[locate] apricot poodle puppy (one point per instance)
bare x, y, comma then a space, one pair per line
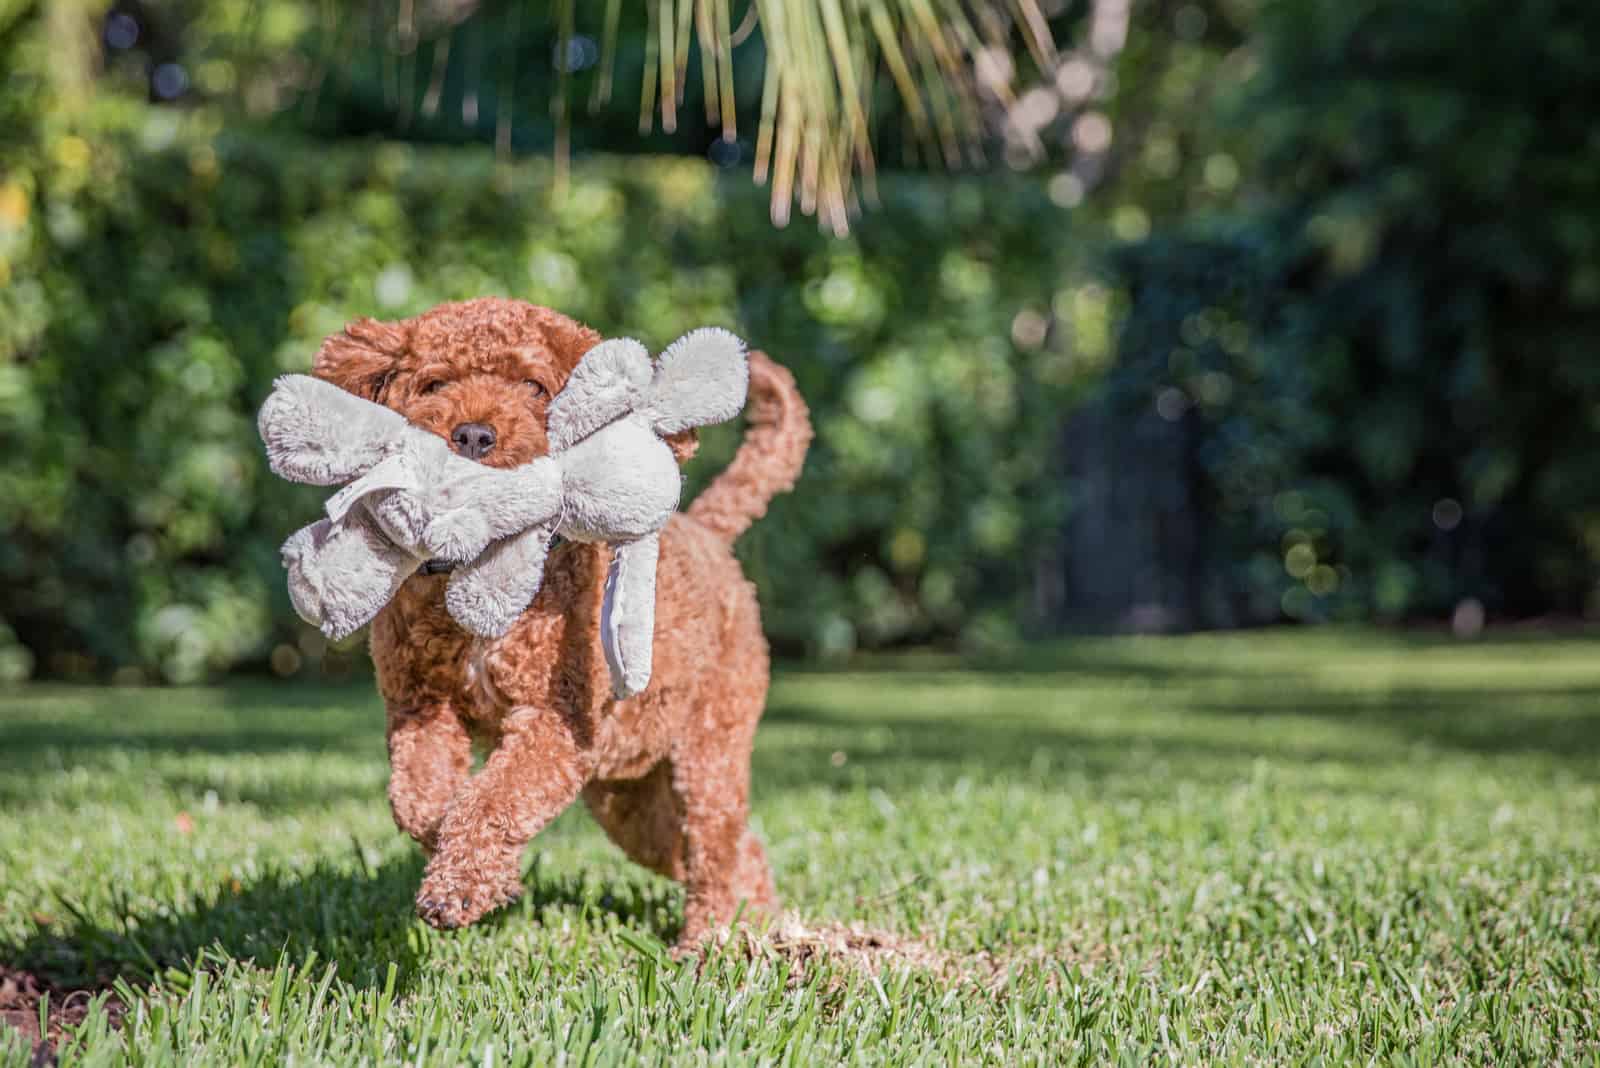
666, 773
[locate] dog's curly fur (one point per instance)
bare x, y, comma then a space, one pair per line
666, 773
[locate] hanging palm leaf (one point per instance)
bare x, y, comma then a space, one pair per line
949, 62
956, 74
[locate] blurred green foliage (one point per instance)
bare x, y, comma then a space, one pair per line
162, 271
1389, 356
1347, 251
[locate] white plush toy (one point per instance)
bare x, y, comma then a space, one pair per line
609, 477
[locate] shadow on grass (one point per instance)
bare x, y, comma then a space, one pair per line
1562, 724
244, 717
359, 919
1377, 728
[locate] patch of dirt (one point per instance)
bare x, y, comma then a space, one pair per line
20, 995
873, 952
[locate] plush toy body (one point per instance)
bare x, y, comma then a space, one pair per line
609, 477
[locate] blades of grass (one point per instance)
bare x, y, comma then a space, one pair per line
644, 945
668, 65
601, 94
647, 92
710, 57
724, 42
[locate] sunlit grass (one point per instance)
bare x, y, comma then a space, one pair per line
1236, 848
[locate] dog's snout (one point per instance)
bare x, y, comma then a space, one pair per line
473, 440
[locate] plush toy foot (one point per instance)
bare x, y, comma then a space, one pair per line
305, 593
458, 535
487, 595
455, 893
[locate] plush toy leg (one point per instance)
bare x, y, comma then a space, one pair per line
488, 595
341, 574
628, 618
485, 505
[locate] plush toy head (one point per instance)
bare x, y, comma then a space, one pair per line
460, 369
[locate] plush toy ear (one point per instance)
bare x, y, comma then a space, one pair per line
608, 383
702, 378
363, 358
319, 434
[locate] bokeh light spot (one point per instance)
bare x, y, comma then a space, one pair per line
1066, 190
1092, 132
169, 81
122, 30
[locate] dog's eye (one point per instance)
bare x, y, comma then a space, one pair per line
431, 387
538, 390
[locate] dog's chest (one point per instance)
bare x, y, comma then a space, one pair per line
482, 687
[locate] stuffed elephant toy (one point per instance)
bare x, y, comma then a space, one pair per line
408, 498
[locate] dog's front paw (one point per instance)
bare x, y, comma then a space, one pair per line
454, 895
458, 535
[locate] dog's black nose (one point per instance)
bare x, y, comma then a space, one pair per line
473, 440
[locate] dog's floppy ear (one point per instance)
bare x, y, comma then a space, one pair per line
684, 444
363, 358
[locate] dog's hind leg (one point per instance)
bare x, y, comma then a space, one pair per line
644, 817
726, 871
536, 771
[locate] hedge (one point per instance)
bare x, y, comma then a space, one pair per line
161, 272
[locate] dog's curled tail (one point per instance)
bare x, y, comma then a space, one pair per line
768, 462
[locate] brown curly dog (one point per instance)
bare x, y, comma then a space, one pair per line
667, 773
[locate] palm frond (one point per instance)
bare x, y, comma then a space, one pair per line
950, 63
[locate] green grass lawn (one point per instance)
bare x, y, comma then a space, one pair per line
1250, 848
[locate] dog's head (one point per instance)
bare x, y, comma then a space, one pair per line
480, 373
